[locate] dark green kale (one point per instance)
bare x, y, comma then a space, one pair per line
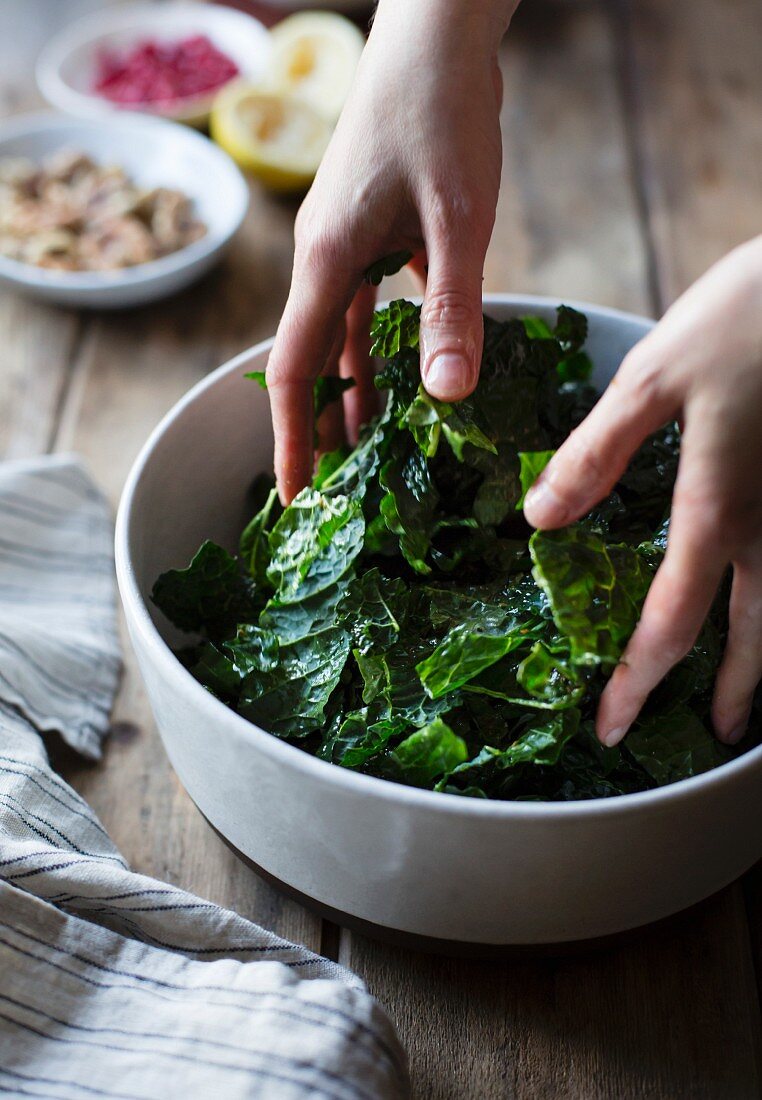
389, 265
211, 596
401, 618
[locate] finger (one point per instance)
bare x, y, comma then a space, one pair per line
593, 458
417, 269
452, 326
319, 297
741, 668
675, 608
331, 432
361, 403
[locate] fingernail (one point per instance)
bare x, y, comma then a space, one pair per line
613, 737
735, 735
544, 503
449, 376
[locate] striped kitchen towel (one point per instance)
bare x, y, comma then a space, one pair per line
113, 984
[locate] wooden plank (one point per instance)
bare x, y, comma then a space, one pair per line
694, 81
130, 369
674, 1012
38, 344
627, 1022
567, 221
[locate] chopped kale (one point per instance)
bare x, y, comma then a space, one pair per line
401, 618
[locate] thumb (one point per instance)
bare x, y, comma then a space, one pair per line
593, 458
452, 327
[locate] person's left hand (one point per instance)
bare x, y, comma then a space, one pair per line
701, 365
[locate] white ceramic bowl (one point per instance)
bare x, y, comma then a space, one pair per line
434, 865
348, 7
154, 153
66, 67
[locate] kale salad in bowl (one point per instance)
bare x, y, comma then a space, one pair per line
383, 696
400, 618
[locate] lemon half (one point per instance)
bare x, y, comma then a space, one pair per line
314, 58
277, 138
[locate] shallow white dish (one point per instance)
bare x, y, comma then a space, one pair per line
417, 862
154, 153
66, 67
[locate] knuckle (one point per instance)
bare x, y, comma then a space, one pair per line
643, 375
449, 308
583, 456
713, 510
317, 248
444, 211
306, 226
668, 637
281, 372
302, 221
275, 373
676, 647
453, 209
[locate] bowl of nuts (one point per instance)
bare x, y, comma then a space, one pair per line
112, 213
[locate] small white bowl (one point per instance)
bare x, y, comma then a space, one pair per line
368, 851
154, 153
67, 66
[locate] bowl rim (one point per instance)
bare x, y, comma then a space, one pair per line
346, 779
40, 122
142, 17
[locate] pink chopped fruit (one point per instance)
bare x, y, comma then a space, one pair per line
162, 72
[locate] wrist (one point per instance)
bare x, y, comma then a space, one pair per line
450, 25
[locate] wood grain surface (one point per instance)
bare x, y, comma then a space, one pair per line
632, 160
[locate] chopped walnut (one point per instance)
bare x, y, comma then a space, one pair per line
119, 242
71, 214
17, 171
171, 219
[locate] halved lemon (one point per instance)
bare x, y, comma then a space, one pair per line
314, 57
277, 138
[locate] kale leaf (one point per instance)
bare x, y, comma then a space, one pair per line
595, 591
389, 265
532, 463
211, 596
395, 329
313, 544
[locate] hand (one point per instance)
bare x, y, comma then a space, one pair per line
414, 165
702, 365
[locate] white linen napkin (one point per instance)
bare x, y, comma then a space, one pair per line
112, 983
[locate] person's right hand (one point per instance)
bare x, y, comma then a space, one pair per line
414, 166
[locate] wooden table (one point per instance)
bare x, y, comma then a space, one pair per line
633, 159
